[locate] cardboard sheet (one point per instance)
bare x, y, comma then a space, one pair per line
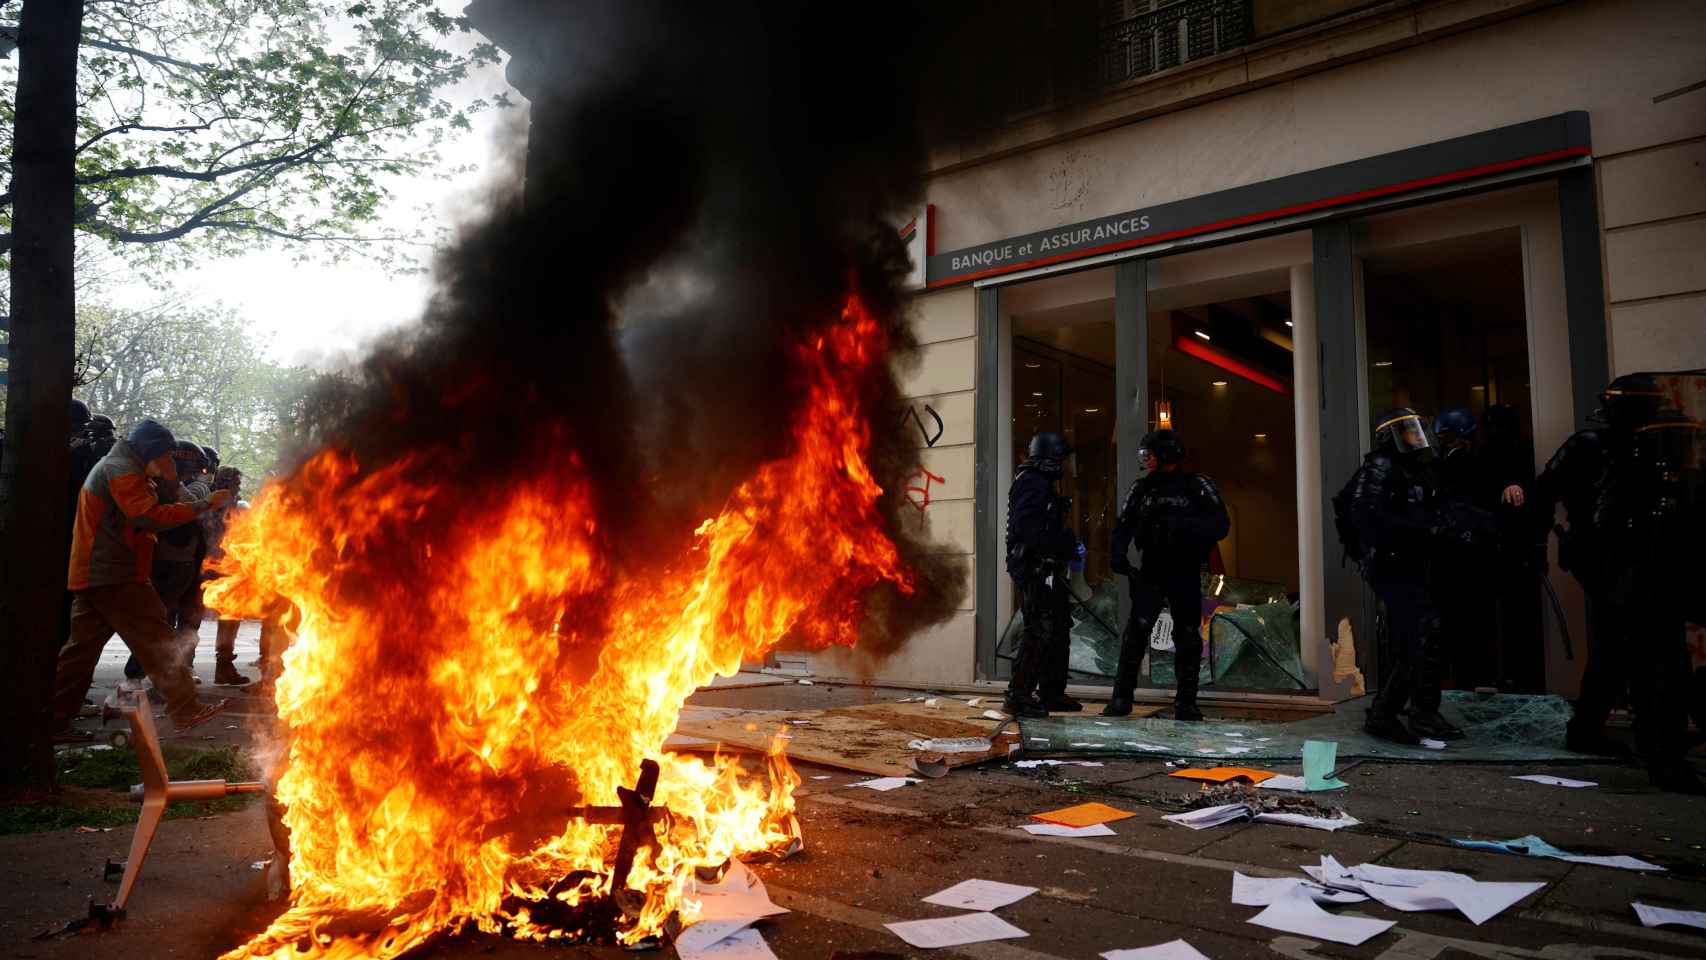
1223, 774
1083, 815
873, 738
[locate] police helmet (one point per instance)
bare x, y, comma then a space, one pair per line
1402, 431
1631, 400
1455, 424
79, 415
1164, 444
1049, 445
212, 456
102, 425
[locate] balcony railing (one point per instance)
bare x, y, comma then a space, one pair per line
1171, 34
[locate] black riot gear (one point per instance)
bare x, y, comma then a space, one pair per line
1396, 511
1164, 444
1039, 546
1174, 518
1049, 445
1401, 432
1630, 401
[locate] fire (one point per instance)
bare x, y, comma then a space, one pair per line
442, 712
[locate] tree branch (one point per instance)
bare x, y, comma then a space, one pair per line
156, 58
147, 128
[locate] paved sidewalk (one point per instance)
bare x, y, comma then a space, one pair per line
870, 857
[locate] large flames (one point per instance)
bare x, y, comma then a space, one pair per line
441, 713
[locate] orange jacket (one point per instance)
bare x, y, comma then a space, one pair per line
117, 518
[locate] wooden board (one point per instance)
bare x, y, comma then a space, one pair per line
871, 738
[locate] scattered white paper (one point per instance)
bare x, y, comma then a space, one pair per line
980, 895
1480, 901
726, 908
974, 701
1552, 781
1171, 950
1262, 891
1619, 862
805, 683
1652, 916
1039, 739
994, 715
823, 776
1416, 890
1313, 823
1062, 830
1281, 781
930, 702
1215, 816
1238, 750
747, 944
1297, 912
886, 783
1102, 723
1209, 816
954, 931
1152, 748
1234, 734
1028, 764
799, 723
1433, 744
1097, 746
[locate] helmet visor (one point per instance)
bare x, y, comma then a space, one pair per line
1409, 435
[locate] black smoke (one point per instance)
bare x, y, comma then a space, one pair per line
702, 183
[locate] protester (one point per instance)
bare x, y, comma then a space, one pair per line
118, 519
213, 529
1175, 518
1041, 552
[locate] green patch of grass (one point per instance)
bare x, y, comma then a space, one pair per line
115, 771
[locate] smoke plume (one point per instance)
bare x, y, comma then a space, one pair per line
702, 185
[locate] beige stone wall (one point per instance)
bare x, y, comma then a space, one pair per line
944, 376
1268, 17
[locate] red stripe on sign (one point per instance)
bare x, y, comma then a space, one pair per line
929, 229
1273, 214
906, 231
1228, 363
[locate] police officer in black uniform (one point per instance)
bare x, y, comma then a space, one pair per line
1175, 517
1625, 492
1040, 552
1396, 511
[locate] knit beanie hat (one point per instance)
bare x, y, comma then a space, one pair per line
149, 439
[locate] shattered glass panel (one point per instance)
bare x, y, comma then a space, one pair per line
1501, 728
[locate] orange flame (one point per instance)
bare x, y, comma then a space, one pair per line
436, 720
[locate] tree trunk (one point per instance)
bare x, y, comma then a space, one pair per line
34, 479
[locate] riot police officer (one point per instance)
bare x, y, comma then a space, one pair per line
1041, 553
1175, 517
1622, 491
1395, 511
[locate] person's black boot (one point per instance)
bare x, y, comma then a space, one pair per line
1385, 726
1061, 703
1187, 712
1434, 727
1118, 707
1025, 707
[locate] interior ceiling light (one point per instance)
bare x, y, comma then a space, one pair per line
1163, 413
1036, 393
1092, 409
1383, 363
1478, 387
1288, 323
1229, 363
1218, 383
1032, 365
1203, 334
1261, 436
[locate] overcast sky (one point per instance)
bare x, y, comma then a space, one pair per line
313, 312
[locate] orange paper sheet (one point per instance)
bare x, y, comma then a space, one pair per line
1083, 815
1223, 774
